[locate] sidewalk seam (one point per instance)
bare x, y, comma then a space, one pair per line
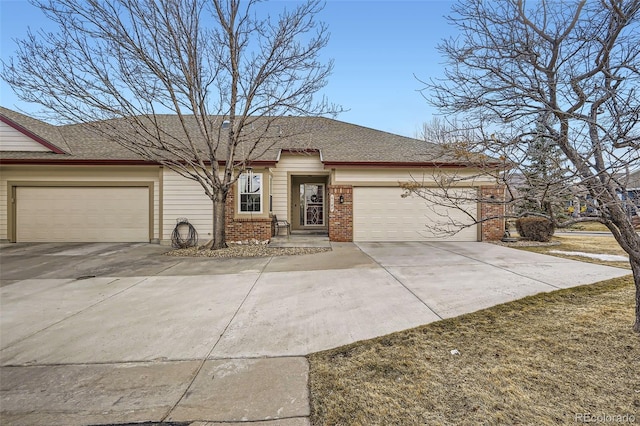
206, 357
78, 312
500, 267
401, 283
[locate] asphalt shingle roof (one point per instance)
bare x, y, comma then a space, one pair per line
337, 141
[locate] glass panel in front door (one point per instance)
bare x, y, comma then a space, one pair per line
312, 204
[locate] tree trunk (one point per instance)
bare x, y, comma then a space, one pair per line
629, 240
635, 267
219, 215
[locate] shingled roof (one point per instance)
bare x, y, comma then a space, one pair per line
336, 141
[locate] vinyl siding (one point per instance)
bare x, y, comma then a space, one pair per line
185, 198
13, 140
392, 176
78, 174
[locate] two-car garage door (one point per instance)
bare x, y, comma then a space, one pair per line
381, 214
82, 214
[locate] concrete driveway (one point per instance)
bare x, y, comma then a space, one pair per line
115, 333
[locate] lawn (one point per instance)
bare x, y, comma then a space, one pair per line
552, 358
588, 227
604, 244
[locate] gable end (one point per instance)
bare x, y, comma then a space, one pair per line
14, 137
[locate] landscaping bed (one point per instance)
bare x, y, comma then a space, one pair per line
247, 250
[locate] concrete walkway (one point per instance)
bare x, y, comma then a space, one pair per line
107, 333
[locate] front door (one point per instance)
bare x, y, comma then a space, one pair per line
312, 204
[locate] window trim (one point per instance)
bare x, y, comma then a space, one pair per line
260, 193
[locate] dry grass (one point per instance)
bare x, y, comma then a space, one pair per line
586, 244
544, 359
589, 227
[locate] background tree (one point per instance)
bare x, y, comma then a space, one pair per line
576, 62
545, 189
226, 73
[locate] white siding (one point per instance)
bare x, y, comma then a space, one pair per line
291, 163
13, 140
77, 174
392, 176
186, 198
3, 205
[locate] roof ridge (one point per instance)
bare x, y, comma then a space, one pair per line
378, 130
338, 140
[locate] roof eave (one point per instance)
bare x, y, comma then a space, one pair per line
76, 162
406, 164
106, 162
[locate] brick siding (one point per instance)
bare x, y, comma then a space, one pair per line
341, 218
245, 229
492, 229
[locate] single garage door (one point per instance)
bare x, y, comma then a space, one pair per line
381, 214
82, 214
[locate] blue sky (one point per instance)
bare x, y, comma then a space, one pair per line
379, 48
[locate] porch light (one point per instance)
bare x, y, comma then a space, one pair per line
341, 199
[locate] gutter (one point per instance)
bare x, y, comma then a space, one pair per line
405, 164
104, 162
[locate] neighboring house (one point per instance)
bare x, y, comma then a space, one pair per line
630, 194
62, 183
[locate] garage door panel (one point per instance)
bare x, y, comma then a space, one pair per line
82, 214
381, 214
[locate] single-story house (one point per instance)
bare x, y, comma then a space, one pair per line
62, 183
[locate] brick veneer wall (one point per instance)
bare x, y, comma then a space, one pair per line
492, 229
341, 219
245, 229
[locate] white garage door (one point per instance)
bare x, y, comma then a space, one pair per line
381, 214
82, 214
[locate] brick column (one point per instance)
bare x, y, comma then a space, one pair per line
492, 206
341, 218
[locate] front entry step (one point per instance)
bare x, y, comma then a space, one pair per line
312, 232
300, 240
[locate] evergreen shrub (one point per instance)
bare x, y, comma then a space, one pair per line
535, 228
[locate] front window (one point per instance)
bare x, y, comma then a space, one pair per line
250, 190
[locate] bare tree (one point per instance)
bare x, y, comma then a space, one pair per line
537, 183
225, 72
576, 62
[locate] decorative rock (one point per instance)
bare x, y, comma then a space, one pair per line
247, 250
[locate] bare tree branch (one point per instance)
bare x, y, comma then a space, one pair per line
118, 66
577, 63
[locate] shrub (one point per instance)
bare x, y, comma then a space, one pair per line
535, 228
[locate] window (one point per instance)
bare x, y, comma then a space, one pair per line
250, 190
